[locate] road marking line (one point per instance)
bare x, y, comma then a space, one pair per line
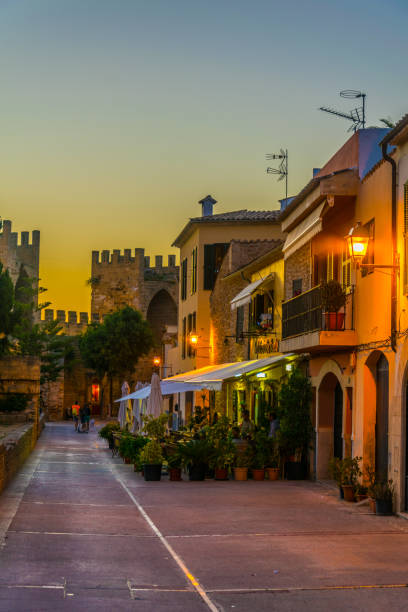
298, 534
322, 588
77, 533
200, 590
33, 586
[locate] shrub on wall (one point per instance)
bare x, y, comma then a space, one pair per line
14, 402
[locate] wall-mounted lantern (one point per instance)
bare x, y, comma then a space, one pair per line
357, 243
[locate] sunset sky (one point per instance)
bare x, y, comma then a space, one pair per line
117, 116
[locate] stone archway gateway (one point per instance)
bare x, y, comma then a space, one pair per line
161, 311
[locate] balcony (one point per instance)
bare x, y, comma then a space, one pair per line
305, 327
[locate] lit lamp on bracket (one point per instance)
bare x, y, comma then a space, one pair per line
358, 240
193, 339
156, 362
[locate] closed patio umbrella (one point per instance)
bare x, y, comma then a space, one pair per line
137, 404
155, 399
123, 405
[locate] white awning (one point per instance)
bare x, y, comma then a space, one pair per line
244, 296
304, 231
212, 377
167, 388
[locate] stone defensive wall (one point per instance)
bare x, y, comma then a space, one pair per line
115, 257
14, 252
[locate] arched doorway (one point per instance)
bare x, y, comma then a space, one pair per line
162, 311
381, 420
330, 423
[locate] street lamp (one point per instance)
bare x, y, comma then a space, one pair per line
193, 339
156, 362
357, 243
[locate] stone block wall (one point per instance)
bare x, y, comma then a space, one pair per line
13, 253
16, 448
22, 375
297, 266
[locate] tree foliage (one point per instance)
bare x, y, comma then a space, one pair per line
296, 428
114, 347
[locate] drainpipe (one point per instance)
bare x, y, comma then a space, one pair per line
391, 161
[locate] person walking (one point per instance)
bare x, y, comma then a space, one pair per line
75, 408
87, 417
81, 417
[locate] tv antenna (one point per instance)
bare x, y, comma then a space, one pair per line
356, 116
282, 170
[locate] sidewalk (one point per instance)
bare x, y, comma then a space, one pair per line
87, 533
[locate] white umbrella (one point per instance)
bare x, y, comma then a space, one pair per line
155, 400
136, 409
123, 405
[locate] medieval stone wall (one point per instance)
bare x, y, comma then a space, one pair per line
14, 254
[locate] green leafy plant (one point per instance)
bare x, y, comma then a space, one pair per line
196, 452
155, 427
223, 455
14, 402
295, 432
350, 470
261, 449
130, 446
384, 491
106, 432
333, 296
335, 470
151, 454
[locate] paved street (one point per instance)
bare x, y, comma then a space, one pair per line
86, 533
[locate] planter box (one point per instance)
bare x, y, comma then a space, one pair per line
295, 470
174, 474
221, 474
383, 507
240, 473
258, 474
334, 321
152, 471
273, 473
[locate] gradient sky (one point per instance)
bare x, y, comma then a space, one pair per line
117, 116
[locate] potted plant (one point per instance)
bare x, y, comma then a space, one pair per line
335, 473
151, 457
261, 450
384, 497
241, 467
273, 460
195, 456
333, 298
350, 473
371, 479
174, 462
361, 492
106, 433
127, 447
223, 457
295, 433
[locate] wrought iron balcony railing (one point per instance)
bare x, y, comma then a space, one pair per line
304, 313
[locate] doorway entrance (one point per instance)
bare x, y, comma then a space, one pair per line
329, 424
381, 421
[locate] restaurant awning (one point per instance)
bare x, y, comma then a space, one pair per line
167, 388
212, 377
304, 231
244, 296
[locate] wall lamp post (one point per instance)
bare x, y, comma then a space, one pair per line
358, 240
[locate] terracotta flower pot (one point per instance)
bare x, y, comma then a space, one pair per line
273, 473
334, 321
348, 491
258, 474
361, 497
127, 460
221, 474
371, 503
174, 474
241, 473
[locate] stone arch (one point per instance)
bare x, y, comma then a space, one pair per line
161, 311
376, 412
329, 421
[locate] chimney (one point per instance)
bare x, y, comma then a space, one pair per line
316, 171
207, 204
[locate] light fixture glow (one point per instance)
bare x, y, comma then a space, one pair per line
288, 367
261, 375
193, 339
357, 242
156, 361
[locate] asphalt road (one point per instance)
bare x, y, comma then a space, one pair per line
80, 531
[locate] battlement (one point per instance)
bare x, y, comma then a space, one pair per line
68, 318
139, 259
11, 238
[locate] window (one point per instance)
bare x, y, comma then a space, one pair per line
296, 287
213, 256
369, 258
261, 314
239, 327
183, 339
194, 271
191, 327
184, 279
345, 272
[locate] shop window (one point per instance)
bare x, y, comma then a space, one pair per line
213, 256
239, 327
184, 279
369, 258
95, 390
194, 271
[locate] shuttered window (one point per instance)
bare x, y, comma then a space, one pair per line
194, 271
239, 328
184, 279
213, 256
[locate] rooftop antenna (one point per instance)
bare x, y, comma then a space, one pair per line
356, 116
282, 170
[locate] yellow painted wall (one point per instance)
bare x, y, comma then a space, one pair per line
210, 233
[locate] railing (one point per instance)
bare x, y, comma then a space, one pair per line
304, 313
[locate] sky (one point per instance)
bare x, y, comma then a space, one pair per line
117, 116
